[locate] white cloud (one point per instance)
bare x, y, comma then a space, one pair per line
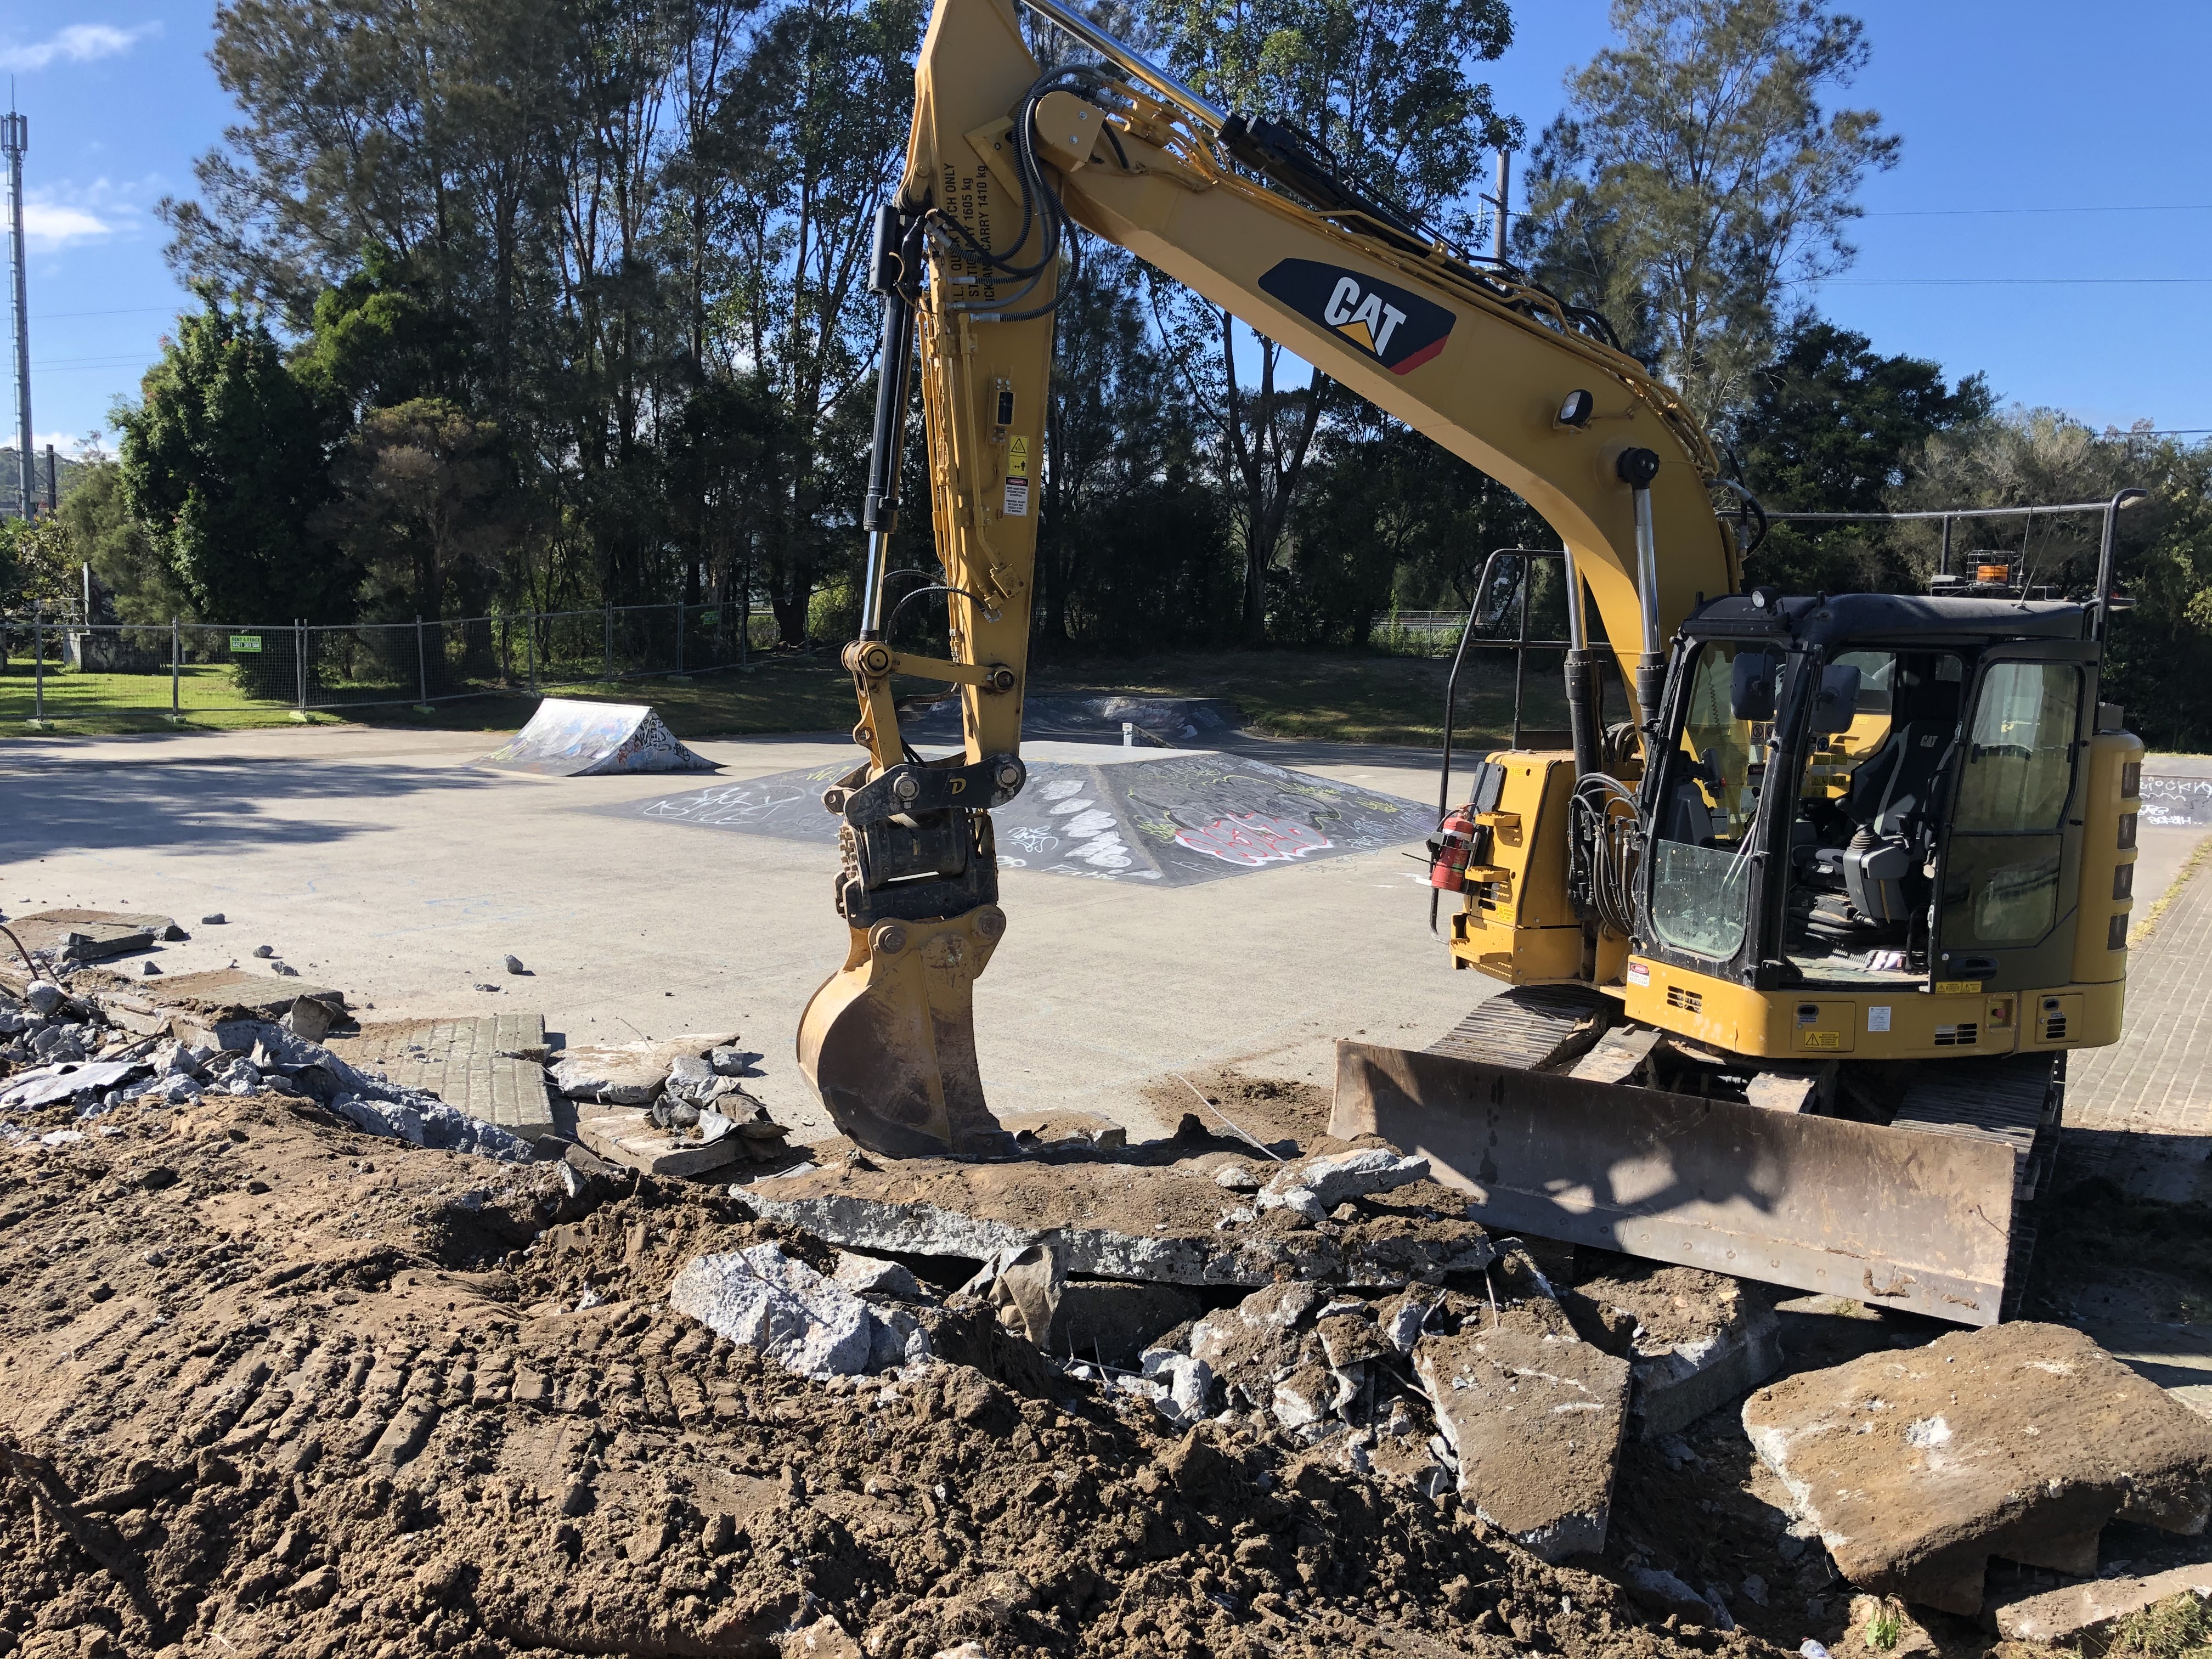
80, 43
49, 226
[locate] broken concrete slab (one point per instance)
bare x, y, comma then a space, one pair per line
1535, 1423
193, 1007
79, 936
2062, 1618
629, 1138
1694, 1340
45, 1085
2018, 1440
1109, 1219
1268, 1335
489, 1066
627, 1074
783, 1309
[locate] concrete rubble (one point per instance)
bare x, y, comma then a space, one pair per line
1165, 1223
2019, 1441
782, 1309
1694, 1340
2064, 1618
627, 1074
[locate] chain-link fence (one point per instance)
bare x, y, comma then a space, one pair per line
59, 668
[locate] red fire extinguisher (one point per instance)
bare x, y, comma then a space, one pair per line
1448, 852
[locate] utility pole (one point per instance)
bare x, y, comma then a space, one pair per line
1505, 195
15, 139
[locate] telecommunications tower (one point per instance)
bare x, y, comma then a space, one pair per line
15, 139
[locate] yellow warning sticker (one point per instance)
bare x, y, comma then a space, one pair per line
1957, 987
1018, 454
1823, 1039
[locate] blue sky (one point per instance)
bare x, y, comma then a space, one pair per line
2002, 105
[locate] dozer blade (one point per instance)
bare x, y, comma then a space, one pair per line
1918, 1217
889, 1040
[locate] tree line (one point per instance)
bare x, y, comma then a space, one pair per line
548, 304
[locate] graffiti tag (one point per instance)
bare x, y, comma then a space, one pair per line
1249, 839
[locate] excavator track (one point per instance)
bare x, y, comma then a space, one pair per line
1525, 1106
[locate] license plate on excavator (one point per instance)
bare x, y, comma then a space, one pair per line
1897, 1216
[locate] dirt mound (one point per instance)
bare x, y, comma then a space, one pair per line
275, 1386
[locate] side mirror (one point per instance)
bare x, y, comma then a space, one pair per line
1751, 686
1836, 702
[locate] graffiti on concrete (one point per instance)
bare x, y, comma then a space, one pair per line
1251, 839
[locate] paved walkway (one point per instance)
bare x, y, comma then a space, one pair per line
2141, 1111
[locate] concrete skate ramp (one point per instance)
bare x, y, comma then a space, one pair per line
571, 740
1096, 717
1168, 816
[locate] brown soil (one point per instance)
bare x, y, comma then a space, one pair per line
273, 1387
1271, 1110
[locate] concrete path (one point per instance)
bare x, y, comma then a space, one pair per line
379, 861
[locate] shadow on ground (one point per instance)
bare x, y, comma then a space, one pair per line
212, 809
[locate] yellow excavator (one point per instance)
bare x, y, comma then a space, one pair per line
1793, 954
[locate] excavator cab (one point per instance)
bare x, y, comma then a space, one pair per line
1879, 792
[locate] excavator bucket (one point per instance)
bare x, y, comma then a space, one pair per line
889, 1040
1931, 1212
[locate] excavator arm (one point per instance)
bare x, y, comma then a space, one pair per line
1004, 162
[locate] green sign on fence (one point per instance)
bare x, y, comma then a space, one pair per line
245, 642
708, 619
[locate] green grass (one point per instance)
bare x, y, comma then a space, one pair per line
777, 694
2178, 1629
96, 705
1331, 696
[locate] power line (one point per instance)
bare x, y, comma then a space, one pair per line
126, 311
1967, 213
2009, 281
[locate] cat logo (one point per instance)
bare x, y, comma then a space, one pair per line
1399, 328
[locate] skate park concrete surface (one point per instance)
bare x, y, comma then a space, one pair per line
381, 862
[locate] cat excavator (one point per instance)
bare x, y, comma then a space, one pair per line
1793, 955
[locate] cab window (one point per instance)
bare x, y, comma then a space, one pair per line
1701, 884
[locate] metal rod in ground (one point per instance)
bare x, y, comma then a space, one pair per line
176, 670
607, 662
1223, 1117
422, 664
529, 648
300, 663
39, 664
679, 636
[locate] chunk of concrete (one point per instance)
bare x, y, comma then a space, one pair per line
1535, 1424
1161, 1223
868, 1276
2062, 1618
1256, 1344
629, 1139
627, 1074
88, 935
1694, 1340
1332, 1177
783, 1309
2018, 1440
